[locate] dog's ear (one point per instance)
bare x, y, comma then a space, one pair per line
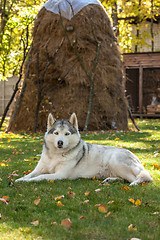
73, 120
50, 121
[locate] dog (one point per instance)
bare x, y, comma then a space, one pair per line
66, 156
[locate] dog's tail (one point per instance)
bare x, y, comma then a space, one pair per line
143, 176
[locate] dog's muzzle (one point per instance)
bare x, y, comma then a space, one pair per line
60, 144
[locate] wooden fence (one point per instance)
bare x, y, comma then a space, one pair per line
6, 90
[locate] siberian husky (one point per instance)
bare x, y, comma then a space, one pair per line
66, 156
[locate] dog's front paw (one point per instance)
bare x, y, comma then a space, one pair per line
19, 180
22, 179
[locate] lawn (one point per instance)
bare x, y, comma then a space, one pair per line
96, 211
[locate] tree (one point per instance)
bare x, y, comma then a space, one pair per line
130, 16
16, 22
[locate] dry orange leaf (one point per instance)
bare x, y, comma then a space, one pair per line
155, 166
6, 197
102, 208
60, 204
81, 217
144, 183
126, 188
37, 201
59, 197
106, 184
35, 223
66, 223
87, 193
109, 213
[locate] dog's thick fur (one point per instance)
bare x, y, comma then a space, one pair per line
66, 156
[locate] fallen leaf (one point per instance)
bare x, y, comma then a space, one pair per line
4, 200
138, 202
87, 193
2, 164
6, 197
155, 166
51, 181
81, 217
131, 200
109, 213
86, 201
59, 197
97, 205
97, 190
35, 223
71, 194
60, 204
110, 202
9, 160
53, 223
156, 154
14, 173
102, 208
126, 188
11, 183
132, 227
66, 223
155, 213
37, 201
27, 160
144, 183
69, 188
106, 184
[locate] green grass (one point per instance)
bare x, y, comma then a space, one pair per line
21, 152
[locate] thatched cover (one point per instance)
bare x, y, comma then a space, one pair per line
69, 48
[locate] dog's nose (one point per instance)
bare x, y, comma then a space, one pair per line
60, 143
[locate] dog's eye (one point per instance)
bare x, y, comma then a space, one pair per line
67, 133
56, 133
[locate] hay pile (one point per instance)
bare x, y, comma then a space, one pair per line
65, 87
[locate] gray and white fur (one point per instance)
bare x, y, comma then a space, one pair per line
66, 156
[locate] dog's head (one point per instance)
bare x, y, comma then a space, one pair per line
62, 134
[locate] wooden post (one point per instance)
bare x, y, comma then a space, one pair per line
140, 91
